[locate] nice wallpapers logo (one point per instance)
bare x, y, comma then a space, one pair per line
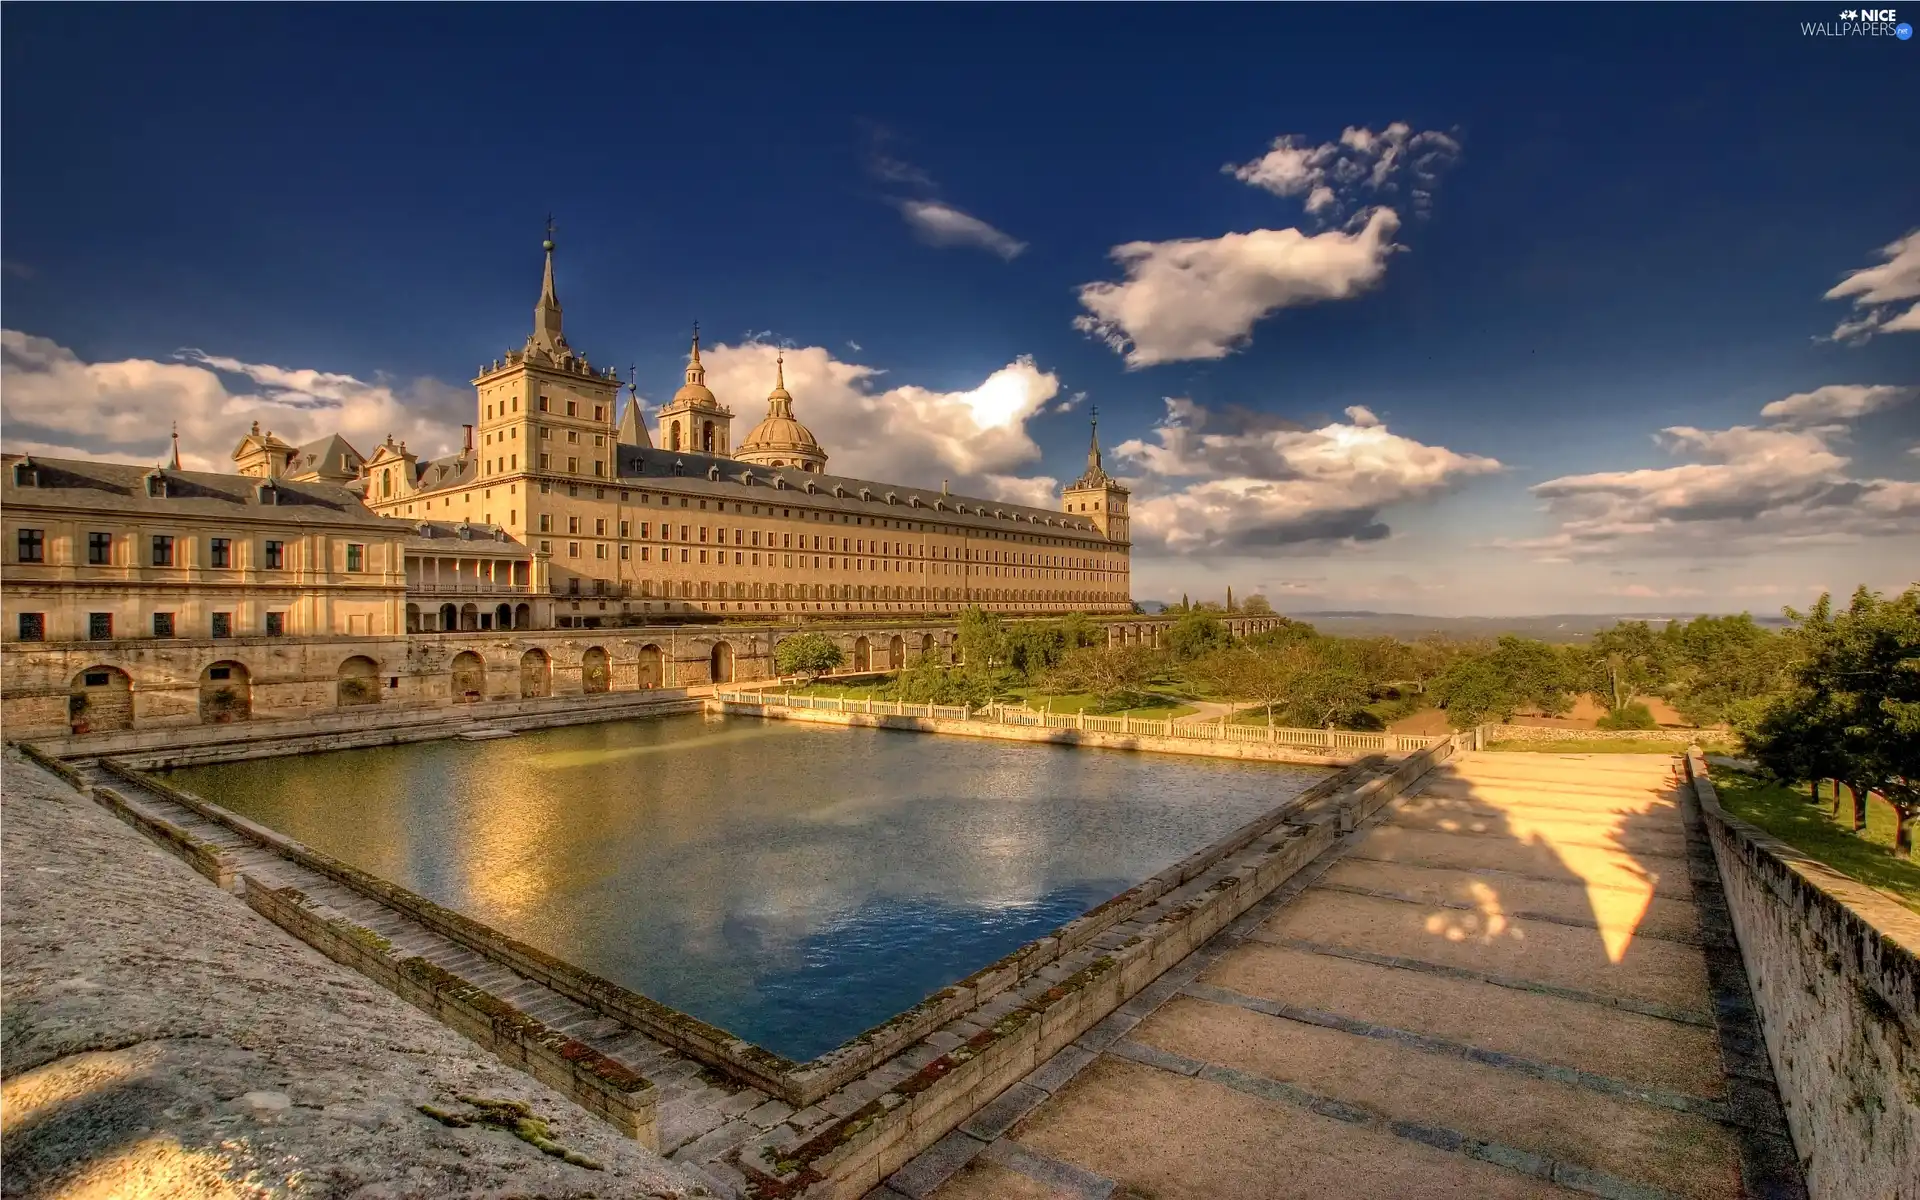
1860, 22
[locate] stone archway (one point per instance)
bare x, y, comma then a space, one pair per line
862, 655
897, 652
536, 674
100, 700
413, 618
720, 663
522, 615
469, 678
449, 617
469, 616
503, 617
226, 693
596, 674
357, 682
652, 672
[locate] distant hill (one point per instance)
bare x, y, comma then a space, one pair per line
1550, 627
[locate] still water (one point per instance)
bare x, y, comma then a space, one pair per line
792, 884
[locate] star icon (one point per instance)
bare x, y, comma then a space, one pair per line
1847, 14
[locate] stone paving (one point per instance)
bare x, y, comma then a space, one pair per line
1520, 982
161, 1039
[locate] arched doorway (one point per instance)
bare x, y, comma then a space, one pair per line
449, 617
357, 682
469, 678
100, 700
595, 674
469, 616
413, 618
897, 652
652, 673
536, 674
926, 645
503, 617
862, 655
522, 615
720, 662
226, 693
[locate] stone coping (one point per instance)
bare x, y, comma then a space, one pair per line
798, 1084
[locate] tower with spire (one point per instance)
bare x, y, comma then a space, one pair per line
694, 422
1097, 496
780, 440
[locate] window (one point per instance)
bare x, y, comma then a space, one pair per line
624, 527
626, 552
573, 466
163, 624
546, 461
546, 522
599, 527
573, 524
573, 436
220, 552
543, 408
356, 557
223, 625
276, 624
573, 549
100, 626
573, 410
599, 468
100, 549
599, 412
162, 550
599, 549
33, 627
546, 433
276, 555
33, 543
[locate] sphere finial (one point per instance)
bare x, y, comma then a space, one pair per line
548, 244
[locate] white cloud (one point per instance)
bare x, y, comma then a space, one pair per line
1835, 403
1748, 490
943, 225
1332, 175
122, 411
976, 438
1641, 591
1200, 298
1362, 416
1215, 482
1881, 293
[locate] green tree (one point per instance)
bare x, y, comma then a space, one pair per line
1111, 674
1517, 673
1257, 605
982, 640
1195, 634
1713, 665
808, 655
1229, 597
1622, 663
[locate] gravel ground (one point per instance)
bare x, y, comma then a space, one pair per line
158, 1038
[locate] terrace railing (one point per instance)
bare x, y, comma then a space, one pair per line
1275, 735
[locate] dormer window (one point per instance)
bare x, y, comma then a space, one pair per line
713, 473
25, 474
156, 484
866, 494
266, 493
679, 468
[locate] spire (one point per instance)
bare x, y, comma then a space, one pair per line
632, 431
695, 372
546, 313
780, 400
175, 464
1093, 448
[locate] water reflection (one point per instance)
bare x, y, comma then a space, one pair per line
792, 884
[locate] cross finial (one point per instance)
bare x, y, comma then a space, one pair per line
549, 226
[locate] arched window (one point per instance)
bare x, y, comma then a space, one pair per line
386, 483
706, 438
673, 436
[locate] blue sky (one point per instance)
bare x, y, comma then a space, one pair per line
1629, 220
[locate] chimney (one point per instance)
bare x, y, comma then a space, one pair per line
468, 448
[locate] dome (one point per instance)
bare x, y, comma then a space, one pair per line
780, 440
782, 433
695, 393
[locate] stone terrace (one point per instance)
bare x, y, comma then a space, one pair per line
1520, 983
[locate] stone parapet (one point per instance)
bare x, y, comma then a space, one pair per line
1835, 968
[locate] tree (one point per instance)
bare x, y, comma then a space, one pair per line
808, 655
1194, 634
1623, 662
1517, 672
1257, 605
982, 640
1715, 664
1108, 673
1229, 597
1329, 687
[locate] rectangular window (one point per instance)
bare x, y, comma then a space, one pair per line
546, 432
33, 627
162, 550
573, 436
100, 549
599, 527
645, 553
573, 524
573, 466
739, 559
543, 408
546, 547
546, 522
703, 556
356, 557
162, 624
276, 555
686, 534
626, 552
573, 409
573, 549
625, 529
546, 461
599, 468
599, 549
683, 554
646, 529
33, 545
222, 625
599, 412
220, 552
599, 439
276, 624
100, 626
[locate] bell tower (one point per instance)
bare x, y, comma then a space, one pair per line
544, 410
1098, 496
694, 422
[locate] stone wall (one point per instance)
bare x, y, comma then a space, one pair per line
1541, 733
1836, 977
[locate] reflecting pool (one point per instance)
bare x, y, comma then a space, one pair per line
793, 884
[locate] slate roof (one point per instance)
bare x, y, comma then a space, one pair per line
444, 539
82, 485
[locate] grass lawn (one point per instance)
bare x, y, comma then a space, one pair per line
1815, 831
1155, 707
839, 691
1602, 746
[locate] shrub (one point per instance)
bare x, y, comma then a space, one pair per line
1632, 716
